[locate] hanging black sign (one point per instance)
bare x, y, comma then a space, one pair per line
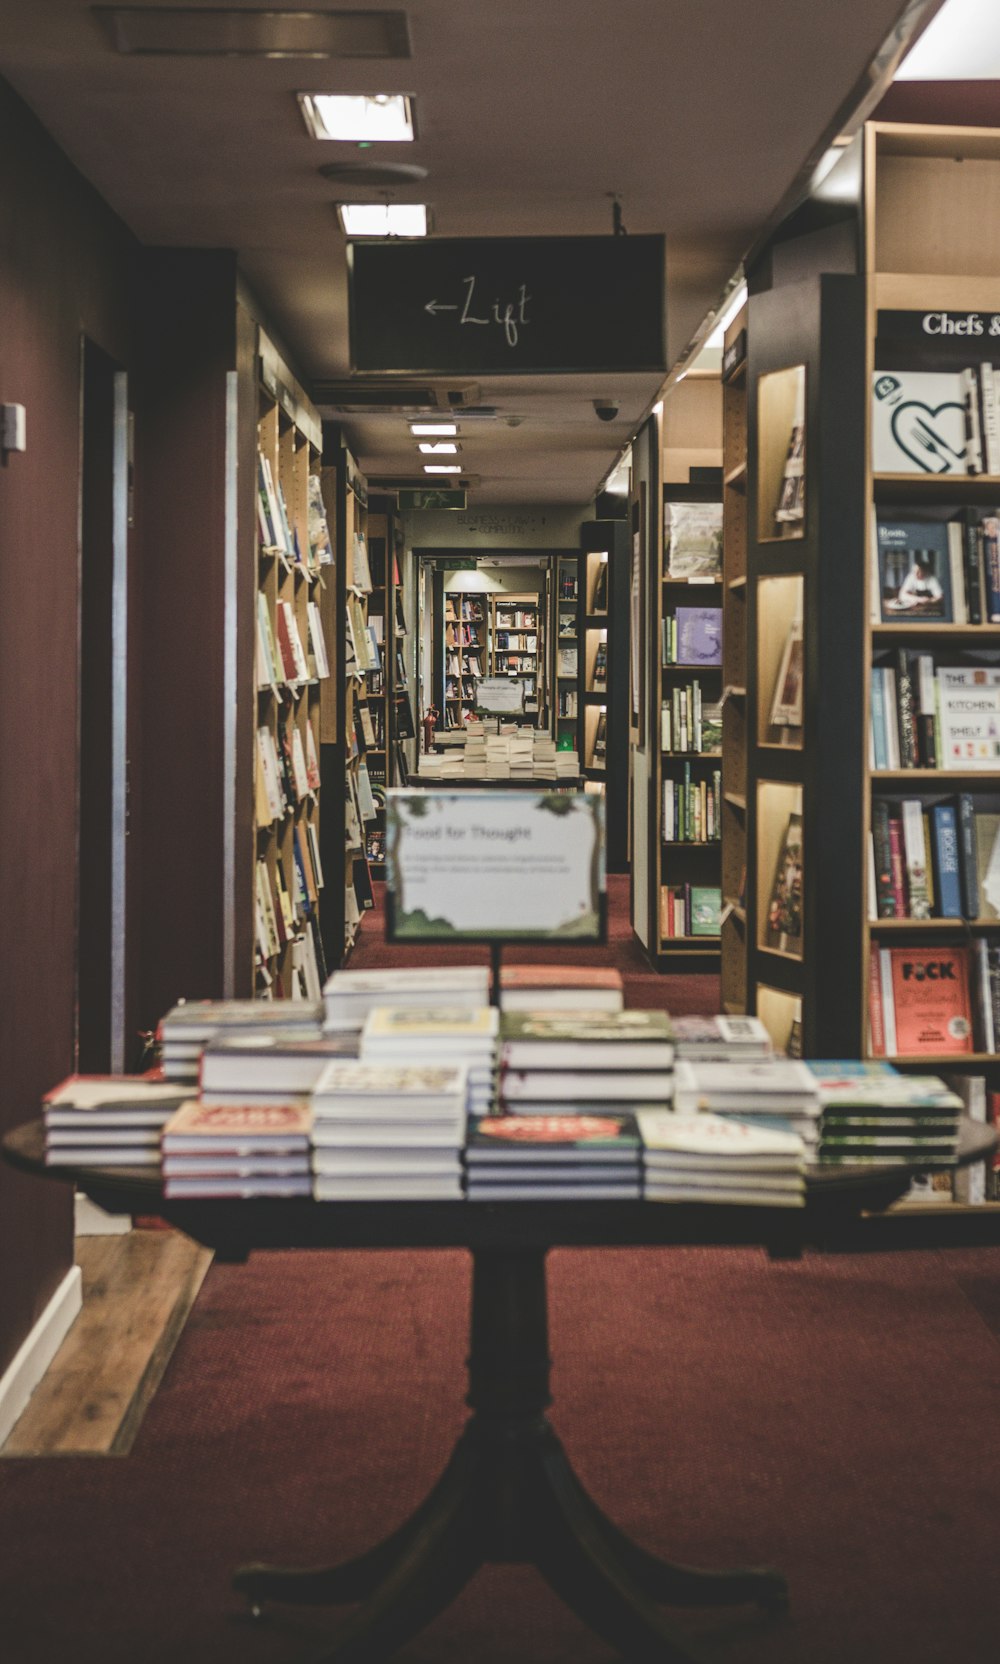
965, 329
507, 305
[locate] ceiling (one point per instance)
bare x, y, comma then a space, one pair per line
531, 115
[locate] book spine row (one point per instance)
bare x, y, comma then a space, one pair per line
924, 861
691, 809
934, 1002
568, 704
682, 722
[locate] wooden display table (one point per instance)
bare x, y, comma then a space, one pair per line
508, 1493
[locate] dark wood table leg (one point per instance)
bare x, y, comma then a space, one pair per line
509, 1494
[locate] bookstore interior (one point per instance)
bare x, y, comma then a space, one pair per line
503, 686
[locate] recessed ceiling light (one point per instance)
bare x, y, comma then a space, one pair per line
440, 430
446, 447
442, 468
383, 219
246, 32
368, 118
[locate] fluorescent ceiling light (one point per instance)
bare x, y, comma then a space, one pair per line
442, 468
440, 429
471, 583
962, 43
446, 447
366, 118
383, 219
725, 318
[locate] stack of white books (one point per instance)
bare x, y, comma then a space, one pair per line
781, 1089
497, 757
544, 756
721, 1039
567, 765
611, 1060
522, 756
239, 1151
186, 1029
439, 1035
388, 1132
349, 996
268, 1068
715, 1158
473, 758
107, 1121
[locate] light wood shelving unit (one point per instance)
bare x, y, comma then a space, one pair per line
733, 927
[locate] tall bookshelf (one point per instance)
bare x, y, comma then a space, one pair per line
517, 643
566, 649
467, 646
915, 268
604, 676
292, 663
733, 916
348, 726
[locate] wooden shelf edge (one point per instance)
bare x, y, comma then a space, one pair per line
904, 926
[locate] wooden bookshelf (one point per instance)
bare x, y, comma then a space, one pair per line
841, 298
294, 557
467, 637
733, 929
517, 644
570, 610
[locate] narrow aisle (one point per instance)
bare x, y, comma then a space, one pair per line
680, 994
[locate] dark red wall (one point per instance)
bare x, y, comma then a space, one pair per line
65, 269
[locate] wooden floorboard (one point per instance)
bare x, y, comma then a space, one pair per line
137, 1292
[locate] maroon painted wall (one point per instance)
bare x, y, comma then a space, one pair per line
65, 269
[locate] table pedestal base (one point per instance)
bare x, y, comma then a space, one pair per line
509, 1494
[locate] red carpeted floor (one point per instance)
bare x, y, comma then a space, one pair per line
835, 1417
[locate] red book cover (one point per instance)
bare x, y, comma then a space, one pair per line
875, 1017
898, 867
931, 995
559, 976
285, 647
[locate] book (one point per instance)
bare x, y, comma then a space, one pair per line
693, 540
919, 422
560, 988
706, 907
239, 1129
786, 702
987, 834
914, 570
557, 1040
947, 870
969, 716
784, 913
719, 1037
699, 635
931, 1001
918, 898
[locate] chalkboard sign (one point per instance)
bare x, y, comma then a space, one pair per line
507, 305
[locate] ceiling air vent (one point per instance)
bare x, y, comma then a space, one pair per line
360, 398
252, 32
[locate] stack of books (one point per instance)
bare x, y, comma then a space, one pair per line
613, 1060
387, 1132
782, 1089
268, 1068
497, 757
349, 996
186, 1029
543, 755
873, 1115
438, 1036
553, 1158
721, 1039
107, 1121
715, 1158
473, 759
560, 988
442, 765
237, 1150
567, 765
522, 757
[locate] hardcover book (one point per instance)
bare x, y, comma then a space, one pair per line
693, 540
914, 569
969, 714
699, 635
919, 422
786, 706
784, 913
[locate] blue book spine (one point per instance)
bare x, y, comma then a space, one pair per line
947, 869
970, 864
878, 720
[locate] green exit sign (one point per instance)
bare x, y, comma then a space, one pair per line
431, 498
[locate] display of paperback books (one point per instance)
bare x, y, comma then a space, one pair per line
775, 1086
715, 1158
239, 1151
690, 910
949, 868
929, 715
719, 1039
550, 1157
692, 808
441, 1034
389, 1132
688, 723
107, 1120
188, 1027
561, 988
349, 996
612, 1059
874, 1115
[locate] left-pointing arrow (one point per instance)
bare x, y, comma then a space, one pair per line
433, 306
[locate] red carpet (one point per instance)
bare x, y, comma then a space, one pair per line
834, 1417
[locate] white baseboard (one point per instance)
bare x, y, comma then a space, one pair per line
29, 1364
90, 1220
